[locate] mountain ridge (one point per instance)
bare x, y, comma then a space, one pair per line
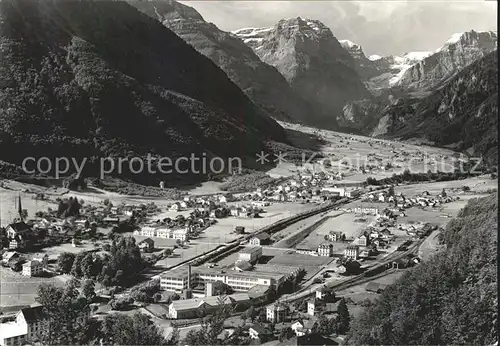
93, 79
313, 62
262, 83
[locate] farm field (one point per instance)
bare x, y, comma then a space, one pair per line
311, 264
346, 151
223, 230
337, 221
16, 289
476, 184
55, 251
9, 201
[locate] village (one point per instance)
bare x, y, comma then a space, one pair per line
289, 259
317, 255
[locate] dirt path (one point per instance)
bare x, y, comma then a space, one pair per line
430, 246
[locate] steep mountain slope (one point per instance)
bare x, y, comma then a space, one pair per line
451, 299
365, 67
262, 83
90, 79
392, 68
464, 111
459, 51
312, 61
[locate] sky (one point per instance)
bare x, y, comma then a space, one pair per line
380, 27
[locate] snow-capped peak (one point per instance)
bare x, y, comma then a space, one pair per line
374, 57
251, 31
416, 56
455, 37
404, 62
349, 44
469, 38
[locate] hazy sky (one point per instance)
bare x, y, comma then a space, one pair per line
381, 27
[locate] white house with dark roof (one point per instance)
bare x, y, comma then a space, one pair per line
303, 327
260, 239
17, 229
258, 331
10, 255
27, 327
146, 245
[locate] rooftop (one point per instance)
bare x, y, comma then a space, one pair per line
243, 265
262, 236
251, 249
276, 268
33, 314
32, 264
187, 304
182, 272
276, 307
20, 226
258, 291
148, 241
324, 289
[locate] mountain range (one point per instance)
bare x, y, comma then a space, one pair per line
261, 82
94, 79
313, 61
438, 96
463, 112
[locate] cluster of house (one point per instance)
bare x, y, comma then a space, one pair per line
417, 230
377, 235
177, 233
306, 187
403, 202
34, 267
278, 313
180, 228
21, 233
216, 206
202, 202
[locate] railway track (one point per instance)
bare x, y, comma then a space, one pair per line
358, 279
274, 227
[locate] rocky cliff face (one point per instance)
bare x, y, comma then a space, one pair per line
365, 67
262, 83
463, 111
313, 62
391, 69
99, 78
459, 51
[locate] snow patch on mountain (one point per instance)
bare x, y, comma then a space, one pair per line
374, 57
251, 31
349, 44
456, 38
403, 63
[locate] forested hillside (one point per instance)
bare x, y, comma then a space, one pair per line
451, 299
98, 78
